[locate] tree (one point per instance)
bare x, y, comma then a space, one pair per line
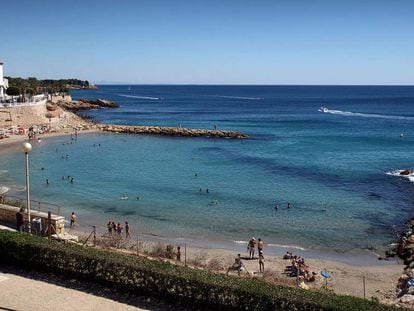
13, 91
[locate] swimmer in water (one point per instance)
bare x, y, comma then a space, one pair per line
276, 207
288, 206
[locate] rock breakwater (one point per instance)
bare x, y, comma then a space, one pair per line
86, 104
170, 131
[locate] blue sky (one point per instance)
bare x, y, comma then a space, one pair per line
212, 42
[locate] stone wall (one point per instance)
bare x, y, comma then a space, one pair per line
8, 214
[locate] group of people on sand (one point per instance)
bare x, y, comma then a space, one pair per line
115, 230
251, 248
299, 269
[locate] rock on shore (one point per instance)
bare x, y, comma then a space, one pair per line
170, 131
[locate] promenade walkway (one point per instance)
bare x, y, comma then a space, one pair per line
21, 290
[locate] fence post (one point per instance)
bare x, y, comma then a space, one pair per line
185, 254
49, 225
94, 235
363, 279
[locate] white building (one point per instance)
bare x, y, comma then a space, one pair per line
4, 83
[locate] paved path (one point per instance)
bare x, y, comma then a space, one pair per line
20, 290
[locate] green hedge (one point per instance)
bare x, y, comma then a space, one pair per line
195, 289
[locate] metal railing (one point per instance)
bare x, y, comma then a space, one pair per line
35, 205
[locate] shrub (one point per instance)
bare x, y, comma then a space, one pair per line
192, 288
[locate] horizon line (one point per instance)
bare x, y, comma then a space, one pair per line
240, 84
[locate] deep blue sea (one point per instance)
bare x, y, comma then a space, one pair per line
330, 166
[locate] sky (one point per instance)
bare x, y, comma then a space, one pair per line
210, 42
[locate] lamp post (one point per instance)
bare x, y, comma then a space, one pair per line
27, 147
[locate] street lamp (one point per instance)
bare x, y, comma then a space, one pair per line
26, 148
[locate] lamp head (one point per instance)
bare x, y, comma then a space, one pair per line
26, 147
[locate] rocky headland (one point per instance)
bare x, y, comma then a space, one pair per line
60, 112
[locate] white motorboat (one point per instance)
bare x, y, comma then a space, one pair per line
323, 109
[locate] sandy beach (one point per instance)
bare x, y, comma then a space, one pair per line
347, 279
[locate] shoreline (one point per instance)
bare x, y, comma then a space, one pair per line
347, 279
358, 257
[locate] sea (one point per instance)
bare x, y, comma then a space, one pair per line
332, 152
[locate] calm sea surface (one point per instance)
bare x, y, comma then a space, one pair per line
330, 166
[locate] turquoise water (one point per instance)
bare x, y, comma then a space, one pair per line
330, 166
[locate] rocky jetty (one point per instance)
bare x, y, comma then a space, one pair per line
404, 249
170, 131
86, 104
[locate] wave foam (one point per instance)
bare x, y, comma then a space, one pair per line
365, 115
139, 97
3, 172
287, 246
397, 173
276, 245
241, 242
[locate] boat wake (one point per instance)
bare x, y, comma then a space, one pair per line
235, 97
409, 174
139, 97
363, 115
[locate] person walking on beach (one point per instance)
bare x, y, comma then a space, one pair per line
72, 220
109, 226
119, 230
261, 262
260, 245
127, 231
114, 227
251, 246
